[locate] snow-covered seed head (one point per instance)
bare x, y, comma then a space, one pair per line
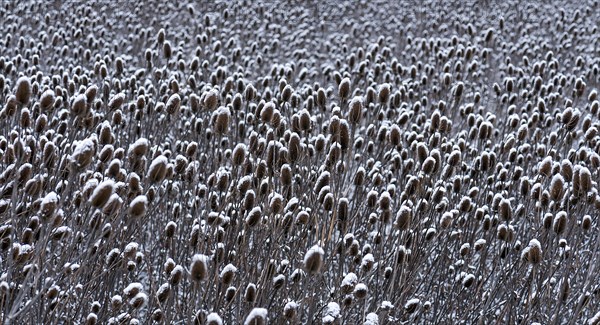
257, 316
157, 315
290, 310
468, 280
384, 93
163, 292
47, 100
102, 193
545, 167
227, 274
267, 112
412, 305
158, 169
211, 100
348, 283
302, 217
199, 267
557, 187
559, 225
355, 111
454, 158
253, 217
360, 291
79, 105
176, 275
170, 229
586, 222
250, 293
139, 300
137, 207
23, 91
585, 180
533, 252
221, 120
116, 302
404, 218
428, 165
313, 259
344, 88
133, 289
91, 319
173, 104
83, 153
139, 147
230, 293
213, 319
238, 155
505, 210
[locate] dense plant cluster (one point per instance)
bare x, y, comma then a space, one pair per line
229, 162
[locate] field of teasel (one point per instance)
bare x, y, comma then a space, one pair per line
290, 162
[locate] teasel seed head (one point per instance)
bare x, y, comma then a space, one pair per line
176, 275
344, 88
313, 259
173, 104
533, 252
137, 207
253, 217
23, 90
257, 316
158, 169
199, 267
560, 222
213, 319
505, 210
403, 218
250, 293
102, 194
227, 274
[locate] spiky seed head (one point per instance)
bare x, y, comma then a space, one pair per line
313, 259
213, 319
238, 156
227, 274
557, 187
102, 193
586, 223
221, 119
290, 310
163, 292
404, 218
158, 169
534, 255
545, 167
137, 207
412, 305
253, 217
250, 293
23, 91
344, 88
258, 316
139, 300
199, 267
505, 210
384, 93
355, 112
173, 104
266, 114
176, 275
559, 224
